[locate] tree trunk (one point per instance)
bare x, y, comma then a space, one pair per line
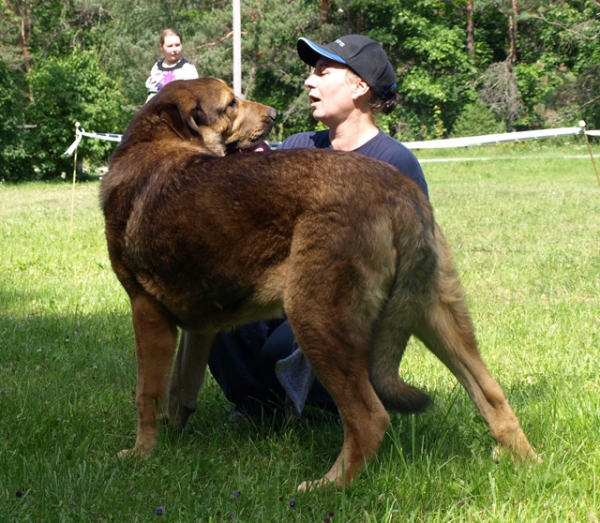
471, 30
323, 12
19, 10
512, 33
21, 13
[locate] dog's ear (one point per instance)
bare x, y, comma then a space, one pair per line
183, 114
178, 108
196, 118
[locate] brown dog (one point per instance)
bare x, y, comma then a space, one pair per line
345, 244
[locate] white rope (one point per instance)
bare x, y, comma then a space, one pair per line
80, 133
490, 139
471, 141
103, 136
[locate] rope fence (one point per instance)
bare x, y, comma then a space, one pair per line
470, 141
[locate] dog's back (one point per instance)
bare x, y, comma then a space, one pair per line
215, 236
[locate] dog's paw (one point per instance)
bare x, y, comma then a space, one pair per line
501, 451
136, 452
498, 452
127, 453
309, 486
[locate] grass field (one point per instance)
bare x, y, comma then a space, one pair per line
525, 231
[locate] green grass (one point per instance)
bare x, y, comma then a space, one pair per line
525, 231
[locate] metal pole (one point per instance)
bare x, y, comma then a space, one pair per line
237, 49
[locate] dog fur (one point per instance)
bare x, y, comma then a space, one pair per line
345, 244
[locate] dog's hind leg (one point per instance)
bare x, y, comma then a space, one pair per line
340, 360
332, 322
155, 341
446, 329
188, 375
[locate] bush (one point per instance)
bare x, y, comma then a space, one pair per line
476, 120
13, 155
65, 91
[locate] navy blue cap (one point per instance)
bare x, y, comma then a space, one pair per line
361, 54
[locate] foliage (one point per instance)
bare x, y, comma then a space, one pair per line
13, 155
477, 119
65, 91
553, 81
555, 74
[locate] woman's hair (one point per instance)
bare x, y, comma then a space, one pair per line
377, 104
384, 105
169, 32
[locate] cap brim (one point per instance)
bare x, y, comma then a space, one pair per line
310, 52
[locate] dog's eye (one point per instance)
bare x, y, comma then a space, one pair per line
233, 104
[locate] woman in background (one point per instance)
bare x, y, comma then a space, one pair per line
172, 67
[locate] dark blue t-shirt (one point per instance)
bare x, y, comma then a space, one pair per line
381, 147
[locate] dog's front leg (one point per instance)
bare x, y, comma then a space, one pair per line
188, 376
155, 342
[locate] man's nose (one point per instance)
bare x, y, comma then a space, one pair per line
309, 82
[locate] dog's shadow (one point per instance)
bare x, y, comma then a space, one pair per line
451, 428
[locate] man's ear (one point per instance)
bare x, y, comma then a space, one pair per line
359, 87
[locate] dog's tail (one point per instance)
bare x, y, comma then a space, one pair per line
395, 394
408, 297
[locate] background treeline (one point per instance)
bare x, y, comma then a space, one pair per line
463, 67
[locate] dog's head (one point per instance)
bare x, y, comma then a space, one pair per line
205, 112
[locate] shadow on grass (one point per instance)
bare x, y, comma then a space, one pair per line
72, 379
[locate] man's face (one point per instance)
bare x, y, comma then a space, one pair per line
330, 92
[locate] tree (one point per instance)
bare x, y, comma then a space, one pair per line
534, 62
477, 119
499, 91
67, 90
13, 134
425, 42
558, 53
19, 14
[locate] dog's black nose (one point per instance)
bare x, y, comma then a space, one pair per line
272, 113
